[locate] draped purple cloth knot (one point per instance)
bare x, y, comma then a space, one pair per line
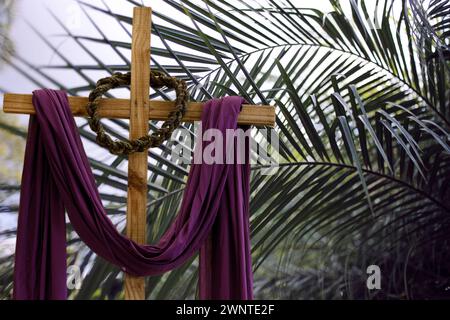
213, 216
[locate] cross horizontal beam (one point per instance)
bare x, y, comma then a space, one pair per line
256, 115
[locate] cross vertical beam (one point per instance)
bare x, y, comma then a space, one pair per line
137, 162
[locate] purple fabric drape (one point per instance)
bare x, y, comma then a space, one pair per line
213, 217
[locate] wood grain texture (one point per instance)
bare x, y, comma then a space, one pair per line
137, 162
257, 115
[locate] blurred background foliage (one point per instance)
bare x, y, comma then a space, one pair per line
362, 96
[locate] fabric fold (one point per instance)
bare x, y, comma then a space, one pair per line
213, 216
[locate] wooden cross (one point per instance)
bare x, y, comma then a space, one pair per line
139, 109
